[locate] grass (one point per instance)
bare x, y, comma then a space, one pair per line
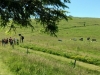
4, 70
77, 56
37, 64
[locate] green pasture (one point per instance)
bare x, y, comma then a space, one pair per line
66, 44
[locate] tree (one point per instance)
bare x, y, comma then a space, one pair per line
47, 12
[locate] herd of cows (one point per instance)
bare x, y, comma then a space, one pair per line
88, 39
81, 39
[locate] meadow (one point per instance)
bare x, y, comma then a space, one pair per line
42, 54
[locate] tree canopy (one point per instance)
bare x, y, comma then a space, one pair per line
47, 12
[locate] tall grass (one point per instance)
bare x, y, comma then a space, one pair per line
73, 55
34, 64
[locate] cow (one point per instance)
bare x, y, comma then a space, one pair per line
59, 40
88, 38
74, 39
81, 39
93, 40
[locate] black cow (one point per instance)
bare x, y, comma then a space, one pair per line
93, 40
88, 38
81, 39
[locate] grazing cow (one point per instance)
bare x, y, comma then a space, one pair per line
74, 39
88, 38
93, 40
59, 40
81, 39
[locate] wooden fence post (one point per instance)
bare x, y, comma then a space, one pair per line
13, 46
27, 50
74, 63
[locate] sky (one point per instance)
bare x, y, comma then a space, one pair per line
84, 8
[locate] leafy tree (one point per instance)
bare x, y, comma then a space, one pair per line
47, 12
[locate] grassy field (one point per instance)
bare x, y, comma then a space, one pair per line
67, 45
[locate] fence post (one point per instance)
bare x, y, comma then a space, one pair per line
27, 50
13, 45
74, 63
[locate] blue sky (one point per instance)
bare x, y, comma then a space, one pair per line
84, 8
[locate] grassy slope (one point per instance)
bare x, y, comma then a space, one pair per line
4, 70
66, 60
67, 30
40, 63
81, 49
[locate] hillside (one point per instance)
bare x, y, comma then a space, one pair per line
63, 49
